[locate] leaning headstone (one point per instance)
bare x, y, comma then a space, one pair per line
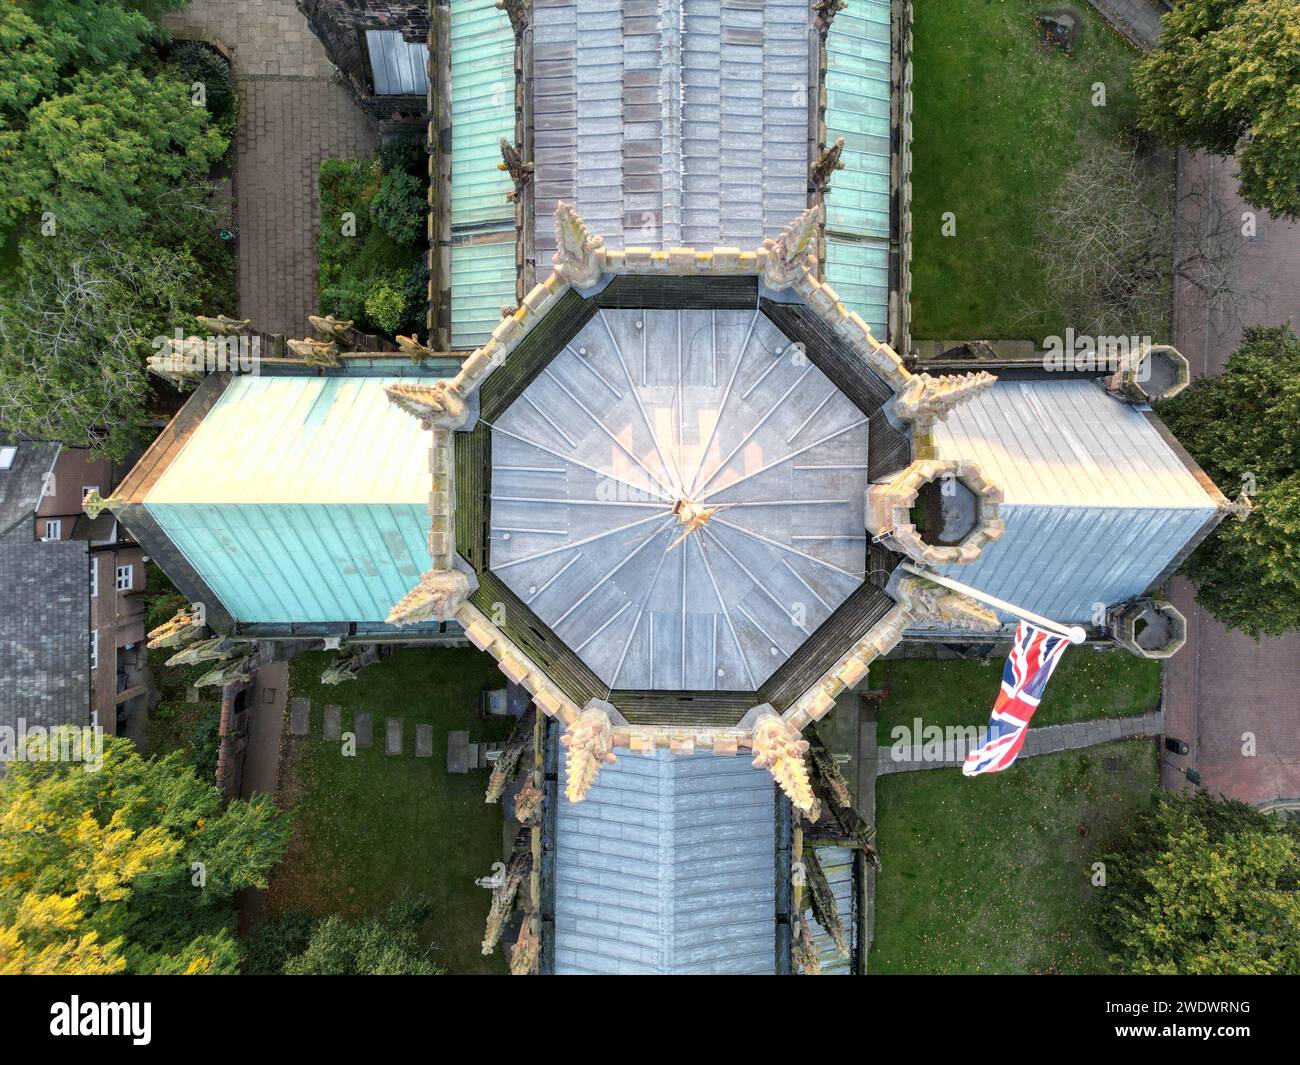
333, 722
423, 741
299, 716
364, 729
393, 736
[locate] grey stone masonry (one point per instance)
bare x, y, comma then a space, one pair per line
1048, 740
299, 716
333, 722
1138, 20
364, 728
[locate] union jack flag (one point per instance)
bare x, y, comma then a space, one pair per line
1024, 677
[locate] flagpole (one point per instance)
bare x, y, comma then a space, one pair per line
1075, 633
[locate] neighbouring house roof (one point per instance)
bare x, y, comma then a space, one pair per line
858, 202
1096, 506
669, 866
299, 499
23, 482
668, 125
44, 630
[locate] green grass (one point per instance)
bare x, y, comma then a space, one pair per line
1086, 685
992, 875
372, 828
997, 120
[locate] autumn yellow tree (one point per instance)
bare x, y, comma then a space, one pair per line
131, 867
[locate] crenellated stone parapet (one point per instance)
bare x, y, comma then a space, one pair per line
1148, 628
890, 506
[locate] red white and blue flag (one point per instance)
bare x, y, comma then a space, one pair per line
1024, 677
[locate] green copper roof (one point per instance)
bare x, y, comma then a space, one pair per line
482, 112
301, 499
857, 206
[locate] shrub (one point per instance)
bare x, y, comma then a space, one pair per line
400, 209
386, 304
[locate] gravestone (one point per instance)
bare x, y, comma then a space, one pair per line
423, 741
393, 736
364, 729
333, 722
299, 716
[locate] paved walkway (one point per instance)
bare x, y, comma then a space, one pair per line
1047, 740
1223, 685
1138, 20
292, 115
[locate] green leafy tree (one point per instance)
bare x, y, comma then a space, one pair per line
113, 142
27, 69
386, 945
130, 868
84, 33
1243, 427
1204, 886
1226, 77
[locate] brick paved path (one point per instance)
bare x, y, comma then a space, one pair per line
1046, 740
1223, 684
292, 116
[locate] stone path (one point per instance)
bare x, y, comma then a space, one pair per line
1048, 740
292, 116
1138, 20
1222, 685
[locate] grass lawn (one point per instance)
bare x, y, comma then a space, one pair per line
992, 875
997, 120
372, 828
1087, 685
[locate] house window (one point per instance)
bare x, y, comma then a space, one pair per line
94, 648
122, 579
94, 577
53, 529
7, 455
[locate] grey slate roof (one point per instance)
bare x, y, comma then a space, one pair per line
44, 630
1097, 503
671, 122
21, 484
668, 866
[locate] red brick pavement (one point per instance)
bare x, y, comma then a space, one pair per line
293, 114
1224, 685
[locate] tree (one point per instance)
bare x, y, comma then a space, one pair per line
386, 945
88, 33
1204, 886
1224, 78
1243, 428
111, 143
1110, 249
75, 334
128, 868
